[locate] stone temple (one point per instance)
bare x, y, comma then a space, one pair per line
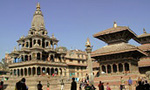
38, 58
119, 58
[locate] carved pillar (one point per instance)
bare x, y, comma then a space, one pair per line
106, 69
117, 68
111, 68
35, 56
28, 57
40, 55
130, 67
100, 69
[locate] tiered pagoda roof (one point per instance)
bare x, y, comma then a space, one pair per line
117, 39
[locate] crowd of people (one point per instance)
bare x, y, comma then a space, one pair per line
142, 84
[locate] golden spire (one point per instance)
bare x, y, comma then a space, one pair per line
38, 6
88, 44
115, 24
144, 31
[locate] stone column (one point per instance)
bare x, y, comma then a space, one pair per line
28, 43
20, 72
89, 60
27, 72
31, 71
100, 69
23, 72
117, 68
41, 42
35, 71
28, 57
130, 67
123, 67
112, 68
40, 55
49, 44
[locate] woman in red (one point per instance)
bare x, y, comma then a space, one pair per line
107, 87
101, 86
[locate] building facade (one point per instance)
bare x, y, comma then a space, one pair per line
119, 58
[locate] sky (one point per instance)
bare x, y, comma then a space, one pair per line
71, 21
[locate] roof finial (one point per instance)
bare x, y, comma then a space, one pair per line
53, 35
15, 49
88, 44
38, 6
115, 24
144, 31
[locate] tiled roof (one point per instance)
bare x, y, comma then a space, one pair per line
143, 35
144, 62
114, 30
144, 47
115, 48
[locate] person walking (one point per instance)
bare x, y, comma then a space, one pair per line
108, 87
21, 85
122, 86
62, 85
73, 84
48, 85
140, 86
39, 86
130, 83
146, 85
88, 87
1, 85
100, 86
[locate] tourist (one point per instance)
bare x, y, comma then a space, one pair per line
130, 83
122, 86
21, 85
62, 85
48, 85
93, 87
108, 87
140, 86
1, 85
88, 87
39, 86
73, 84
146, 86
100, 86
